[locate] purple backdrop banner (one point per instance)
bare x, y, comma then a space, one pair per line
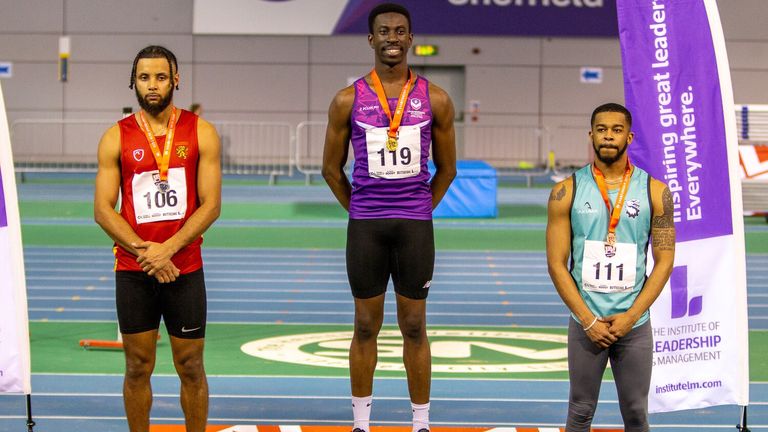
494, 17
3, 214
672, 88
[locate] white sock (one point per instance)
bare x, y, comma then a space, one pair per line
420, 416
361, 410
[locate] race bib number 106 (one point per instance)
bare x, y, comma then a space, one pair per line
151, 204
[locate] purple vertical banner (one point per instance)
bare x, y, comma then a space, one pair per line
672, 88
3, 213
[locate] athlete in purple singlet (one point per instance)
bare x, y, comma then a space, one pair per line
394, 118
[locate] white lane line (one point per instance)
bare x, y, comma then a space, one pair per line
345, 420
293, 271
212, 279
342, 397
44, 264
302, 312
298, 301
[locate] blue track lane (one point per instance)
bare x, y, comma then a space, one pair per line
91, 403
310, 287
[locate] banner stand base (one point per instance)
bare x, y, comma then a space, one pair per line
30, 422
742, 426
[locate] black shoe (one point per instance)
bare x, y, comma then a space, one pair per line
358, 430
423, 430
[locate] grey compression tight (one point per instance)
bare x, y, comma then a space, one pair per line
631, 361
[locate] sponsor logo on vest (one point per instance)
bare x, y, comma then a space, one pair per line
453, 351
138, 154
586, 209
416, 104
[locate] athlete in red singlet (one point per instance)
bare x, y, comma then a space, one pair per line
166, 162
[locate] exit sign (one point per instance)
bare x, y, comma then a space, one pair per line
425, 50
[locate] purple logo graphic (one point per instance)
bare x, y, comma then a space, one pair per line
632, 207
680, 304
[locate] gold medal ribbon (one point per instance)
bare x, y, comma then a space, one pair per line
394, 121
616, 212
163, 159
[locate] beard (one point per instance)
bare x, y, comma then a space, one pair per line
154, 108
608, 160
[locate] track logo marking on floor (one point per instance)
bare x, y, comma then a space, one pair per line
453, 351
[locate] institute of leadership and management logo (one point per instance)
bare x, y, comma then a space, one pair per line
453, 351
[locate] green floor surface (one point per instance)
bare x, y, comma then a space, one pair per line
323, 238
267, 211
490, 237
55, 349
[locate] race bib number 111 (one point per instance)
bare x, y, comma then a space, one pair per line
609, 273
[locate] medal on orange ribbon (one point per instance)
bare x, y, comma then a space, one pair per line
615, 213
163, 159
394, 120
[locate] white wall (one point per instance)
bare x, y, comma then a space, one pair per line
521, 81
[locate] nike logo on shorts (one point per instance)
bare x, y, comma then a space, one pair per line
186, 330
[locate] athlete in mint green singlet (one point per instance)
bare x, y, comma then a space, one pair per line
600, 221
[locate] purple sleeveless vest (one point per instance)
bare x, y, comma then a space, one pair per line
391, 184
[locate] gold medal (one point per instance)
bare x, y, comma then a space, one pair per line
610, 239
397, 117
391, 144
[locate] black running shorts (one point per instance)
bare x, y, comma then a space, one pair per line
142, 300
380, 248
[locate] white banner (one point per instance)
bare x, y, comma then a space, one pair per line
296, 17
678, 87
14, 325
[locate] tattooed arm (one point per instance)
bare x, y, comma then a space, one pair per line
663, 241
558, 252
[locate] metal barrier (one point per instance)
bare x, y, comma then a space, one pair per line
277, 148
263, 148
571, 147
310, 139
512, 150
56, 144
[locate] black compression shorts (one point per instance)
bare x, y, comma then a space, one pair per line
378, 248
142, 300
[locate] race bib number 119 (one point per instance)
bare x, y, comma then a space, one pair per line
403, 162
